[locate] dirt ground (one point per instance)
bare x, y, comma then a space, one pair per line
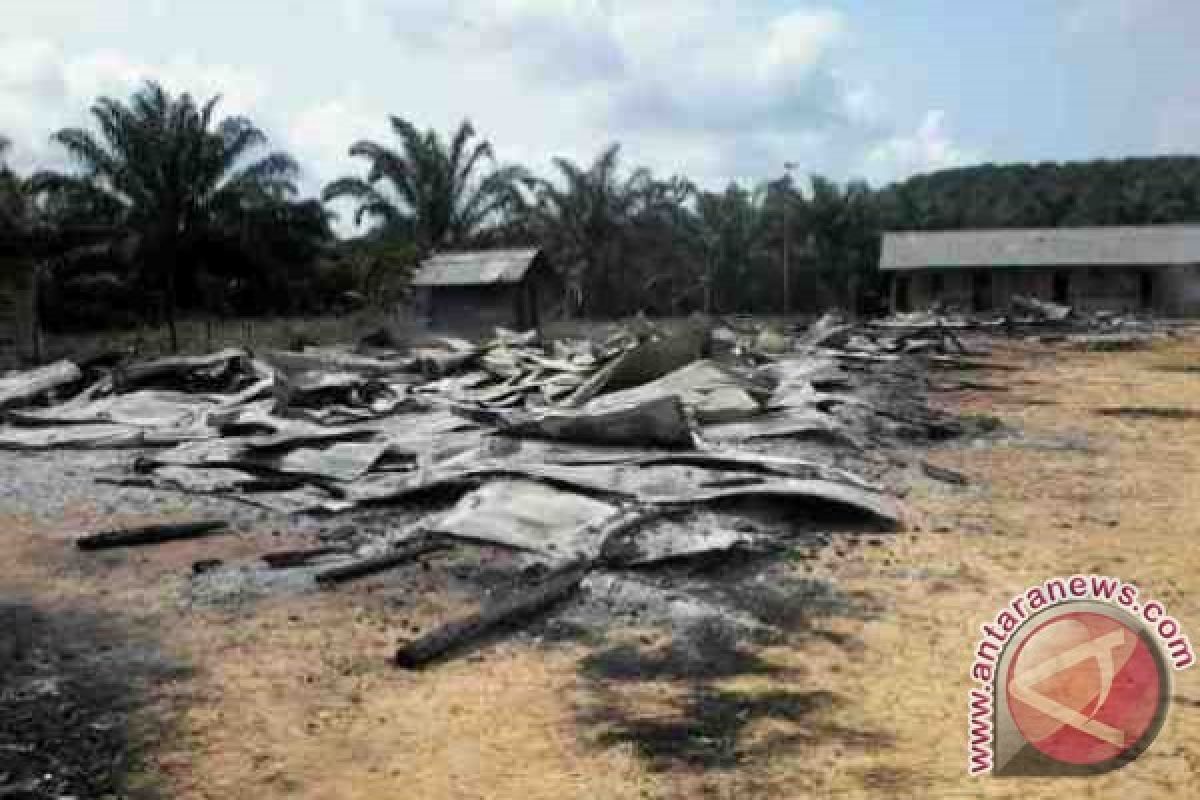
293, 696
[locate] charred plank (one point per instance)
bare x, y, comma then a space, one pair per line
512, 611
404, 554
151, 534
288, 559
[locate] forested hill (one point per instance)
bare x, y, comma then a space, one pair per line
1131, 191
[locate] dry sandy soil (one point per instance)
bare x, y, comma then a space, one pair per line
293, 696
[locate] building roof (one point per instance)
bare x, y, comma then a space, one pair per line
1156, 245
479, 268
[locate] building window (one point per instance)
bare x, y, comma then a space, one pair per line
1062, 288
981, 290
937, 284
1146, 289
902, 301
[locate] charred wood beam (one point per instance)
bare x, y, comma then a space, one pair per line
513, 610
287, 559
404, 554
151, 534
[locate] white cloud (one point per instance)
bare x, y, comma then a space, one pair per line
323, 133
715, 89
43, 89
561, 41
726, 72
712, 88
930, 147
796, 44
320, 136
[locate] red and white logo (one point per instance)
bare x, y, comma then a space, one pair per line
1084, 688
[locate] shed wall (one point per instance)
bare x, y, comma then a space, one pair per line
469, 310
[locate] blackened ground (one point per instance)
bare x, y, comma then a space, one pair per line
70, 683
710, 721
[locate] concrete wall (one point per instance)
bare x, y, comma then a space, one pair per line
1173, 291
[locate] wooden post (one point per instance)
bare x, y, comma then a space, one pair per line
521, 605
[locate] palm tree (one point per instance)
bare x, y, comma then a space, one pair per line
13, 196
589, 219
28, 237
441, 194
732, 227
166, 179
843, 227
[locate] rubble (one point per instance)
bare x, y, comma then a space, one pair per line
671, 541
1028, 316
19, 388
404, 554
581, 458
557, 525
655, 422
711, 392
1040, 309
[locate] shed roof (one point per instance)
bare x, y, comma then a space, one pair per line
478, 268
1155, 245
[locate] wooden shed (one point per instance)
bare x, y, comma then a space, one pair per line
473, 292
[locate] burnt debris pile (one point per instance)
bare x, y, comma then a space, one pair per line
593, 462
1039, 320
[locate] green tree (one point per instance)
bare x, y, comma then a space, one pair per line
29, 237
15, 201
783, 220
380, 267
665, 258
168, 181
842, 223
732, 229
442, 194
590, 219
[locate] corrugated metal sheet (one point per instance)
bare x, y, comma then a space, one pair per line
1162, 245
480, 268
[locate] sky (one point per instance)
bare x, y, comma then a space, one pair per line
717, 90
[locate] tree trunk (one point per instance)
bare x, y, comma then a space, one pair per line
170, 309
169, 252
35, 321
